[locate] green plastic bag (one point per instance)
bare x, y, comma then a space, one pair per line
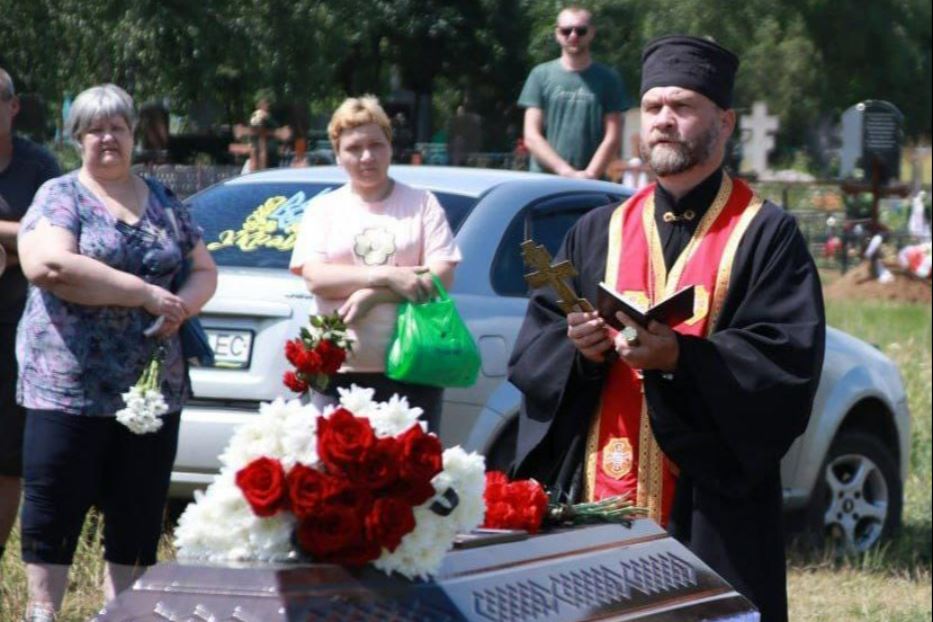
432, 345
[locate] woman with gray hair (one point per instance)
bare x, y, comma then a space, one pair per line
100, 248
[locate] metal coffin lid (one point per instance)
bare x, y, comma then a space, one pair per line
602, 572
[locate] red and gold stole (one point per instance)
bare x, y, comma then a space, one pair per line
622, 455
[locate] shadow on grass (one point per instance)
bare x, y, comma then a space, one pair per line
908, 554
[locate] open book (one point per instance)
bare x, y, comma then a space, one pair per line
676, 308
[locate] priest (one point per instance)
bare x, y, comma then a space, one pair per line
692, 420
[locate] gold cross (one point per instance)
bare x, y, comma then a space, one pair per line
538, 258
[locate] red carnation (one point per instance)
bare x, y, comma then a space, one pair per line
422, 455
331, 356
309, 363
343, 439
517, 505
306, 490
263, 484
388, 522
294, 383
294, 348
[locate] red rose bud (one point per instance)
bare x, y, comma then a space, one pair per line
294, 382
306, 490
263, 484
422, 455
388, 522
343, 440
332, 356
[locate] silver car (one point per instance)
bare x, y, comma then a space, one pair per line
844, 475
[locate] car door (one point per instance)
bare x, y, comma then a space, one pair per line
545, 219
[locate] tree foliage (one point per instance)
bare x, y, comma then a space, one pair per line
808, 59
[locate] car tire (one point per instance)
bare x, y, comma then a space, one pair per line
858, 496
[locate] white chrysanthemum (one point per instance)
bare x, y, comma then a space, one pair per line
300, 438
358, 400
394, 417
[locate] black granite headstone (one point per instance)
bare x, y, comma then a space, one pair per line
603, 572
871, 142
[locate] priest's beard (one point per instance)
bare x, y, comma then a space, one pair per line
675, 158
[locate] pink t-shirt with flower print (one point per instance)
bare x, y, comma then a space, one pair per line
407, 228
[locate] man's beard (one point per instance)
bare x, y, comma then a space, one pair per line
681, 156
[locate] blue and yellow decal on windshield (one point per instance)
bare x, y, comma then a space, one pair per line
272, 225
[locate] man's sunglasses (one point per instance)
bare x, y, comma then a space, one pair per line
580, 30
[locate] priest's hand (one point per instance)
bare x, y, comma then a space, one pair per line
655, 348
589, 335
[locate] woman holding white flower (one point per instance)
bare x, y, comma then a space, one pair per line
370, 244
100, 251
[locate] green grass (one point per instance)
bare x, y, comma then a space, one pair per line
892, 584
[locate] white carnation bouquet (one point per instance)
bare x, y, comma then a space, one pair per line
362, 482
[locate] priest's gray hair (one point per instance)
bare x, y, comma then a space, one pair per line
96, 103
7, 91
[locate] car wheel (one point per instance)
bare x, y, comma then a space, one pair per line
858, 497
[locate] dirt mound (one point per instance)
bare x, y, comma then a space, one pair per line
859, 284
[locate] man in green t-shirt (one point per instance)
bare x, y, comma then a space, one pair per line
573, 106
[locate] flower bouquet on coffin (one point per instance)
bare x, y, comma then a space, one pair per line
144, 401
523, 504
360, 482
317, 353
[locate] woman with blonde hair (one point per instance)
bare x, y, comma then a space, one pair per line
370, 244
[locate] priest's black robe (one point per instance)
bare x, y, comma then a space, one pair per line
727, 415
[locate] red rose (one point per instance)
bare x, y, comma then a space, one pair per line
333, 528
343, 440
380, 465
263, 484
306, 489
500, 515
345, 493
331, 355
412, 492
388, 521
294, 383
422, 455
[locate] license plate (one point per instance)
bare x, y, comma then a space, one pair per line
232, 348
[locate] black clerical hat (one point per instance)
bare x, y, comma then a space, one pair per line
692, 63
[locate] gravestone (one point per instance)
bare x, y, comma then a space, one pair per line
871, 142
758, 130
601, 572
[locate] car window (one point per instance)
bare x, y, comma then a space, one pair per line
255, 225
546, 222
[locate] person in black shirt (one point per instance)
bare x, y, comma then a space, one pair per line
24, 166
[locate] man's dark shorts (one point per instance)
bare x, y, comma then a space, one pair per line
12, 416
